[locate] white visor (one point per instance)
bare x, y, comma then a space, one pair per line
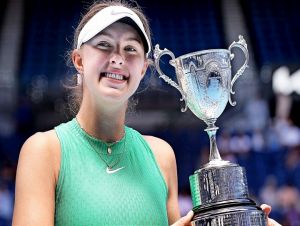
108, 16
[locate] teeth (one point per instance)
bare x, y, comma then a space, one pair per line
114, 76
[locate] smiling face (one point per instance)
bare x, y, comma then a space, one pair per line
112, 64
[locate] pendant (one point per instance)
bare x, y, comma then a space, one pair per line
109, 151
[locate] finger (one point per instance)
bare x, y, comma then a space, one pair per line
272, 222
185, 220
266, 208
189, 215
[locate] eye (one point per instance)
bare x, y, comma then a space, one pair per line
130, 49
104, 45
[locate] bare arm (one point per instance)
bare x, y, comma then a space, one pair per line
165, 158
36, 179
172, 204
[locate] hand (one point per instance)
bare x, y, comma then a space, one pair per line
185, 221
267, 210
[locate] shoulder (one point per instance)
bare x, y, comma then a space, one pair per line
41, 150
41, 143
41, 139
160, 148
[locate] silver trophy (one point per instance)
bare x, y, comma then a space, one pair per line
219, 189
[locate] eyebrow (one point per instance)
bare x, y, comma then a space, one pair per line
127, 39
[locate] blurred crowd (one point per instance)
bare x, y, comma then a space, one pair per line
272, 160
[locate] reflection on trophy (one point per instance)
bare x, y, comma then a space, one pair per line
219, 189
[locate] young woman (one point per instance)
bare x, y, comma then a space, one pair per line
94, 170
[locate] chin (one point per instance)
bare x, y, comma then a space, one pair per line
114, 96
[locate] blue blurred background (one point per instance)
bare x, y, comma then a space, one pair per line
261, 133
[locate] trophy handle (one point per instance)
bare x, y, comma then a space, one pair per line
158, 53
243, 46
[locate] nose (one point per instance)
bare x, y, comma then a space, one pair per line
116, 59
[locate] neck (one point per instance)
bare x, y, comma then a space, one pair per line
104, 124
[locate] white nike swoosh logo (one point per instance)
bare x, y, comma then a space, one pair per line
111, 171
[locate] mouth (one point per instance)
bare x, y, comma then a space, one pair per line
115, 76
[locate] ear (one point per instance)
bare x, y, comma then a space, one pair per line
77, 61
145, 66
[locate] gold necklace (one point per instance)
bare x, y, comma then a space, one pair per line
109, 145
109, 168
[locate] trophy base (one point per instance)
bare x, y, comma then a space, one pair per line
236, 215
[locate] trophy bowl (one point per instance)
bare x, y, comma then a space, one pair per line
219, 189
205, 81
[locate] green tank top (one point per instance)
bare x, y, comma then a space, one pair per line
134, 193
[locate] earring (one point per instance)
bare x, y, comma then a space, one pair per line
79, 79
